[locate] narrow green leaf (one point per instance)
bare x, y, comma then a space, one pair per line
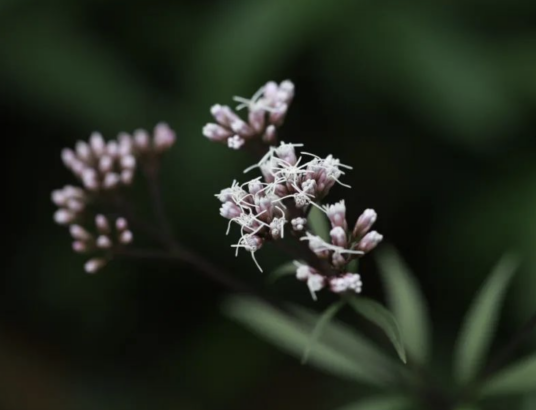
287, 269
381, 317
529, 402
407, 303
519, 378
291, 335
381, 403
325, 318
318, 221
481, 321
355, 346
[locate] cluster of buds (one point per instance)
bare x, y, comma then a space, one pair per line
102, 240
345, 246
282, 197
280, 200
104, 167
266, 112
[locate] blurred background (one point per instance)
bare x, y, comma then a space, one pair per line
433, 103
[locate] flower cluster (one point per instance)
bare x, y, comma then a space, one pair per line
280, 200
102, 169
103, 240
266, 112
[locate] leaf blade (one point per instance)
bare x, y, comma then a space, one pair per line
407, 303
515, 379
291, 335
380, 316
380, 403
318, 222
480, 322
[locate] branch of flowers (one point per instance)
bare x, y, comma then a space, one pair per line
182, 255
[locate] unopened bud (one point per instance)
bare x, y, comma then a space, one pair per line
104, 242
102, 224
63, 217
338, 237
94, 265
164, 137
364, 223
97, 144
126, 237
78, 232
369, 241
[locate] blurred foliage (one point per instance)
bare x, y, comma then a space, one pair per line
432, 103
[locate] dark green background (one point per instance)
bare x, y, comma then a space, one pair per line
433, 103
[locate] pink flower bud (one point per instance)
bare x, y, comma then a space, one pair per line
338, 237
215, 132
126, 237
102, 224
94, 265
104, 242
121, 224
111, 180
83, 151
364, 223
164, 137
97, 144
369, 241
270, 135
141, 140
78, 232
337, 215
235, 142
63, 217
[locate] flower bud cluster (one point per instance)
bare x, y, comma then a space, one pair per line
100, 241
345, 245
266, 112
102, 167
279, 200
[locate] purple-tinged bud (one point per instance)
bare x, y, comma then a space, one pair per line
127, 176
369, 241
164, 137
270, 135
235, 142
215, 132
298, 224
104, 242
78, 232
337, 215
83, 151
315, 283
346, 282
338, 260
253, 243
97, 144
63, 217
141, 140
111, 180
102, 224
128, 162
126, 237
75, 205
112, 149
338, 237
270, 90
287, 153
68, 157
94, 265
255, 186
80, 247
257, 120
218, 113
278, 116
230, 210
106, 164
364, 223
318, 246
286, 91
121, 224
241, 128
125, 144
303, 272
58, 197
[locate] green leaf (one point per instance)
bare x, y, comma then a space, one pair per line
318, 221
407, 303
381, 403
325, 318
291, 335
529, 402
518, 378
287, 269
381, 317
355, 346
481, 321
